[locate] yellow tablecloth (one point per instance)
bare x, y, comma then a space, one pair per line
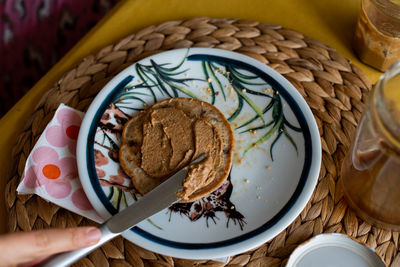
329, 21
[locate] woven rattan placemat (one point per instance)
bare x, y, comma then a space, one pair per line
334, 88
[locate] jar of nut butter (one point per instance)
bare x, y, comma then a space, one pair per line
370, 175
377, 35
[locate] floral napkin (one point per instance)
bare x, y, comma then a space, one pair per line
51, 170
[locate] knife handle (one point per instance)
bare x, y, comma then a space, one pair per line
67, 258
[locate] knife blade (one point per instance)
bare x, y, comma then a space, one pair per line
156, 200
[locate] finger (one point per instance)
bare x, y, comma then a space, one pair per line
23, 247
32, 262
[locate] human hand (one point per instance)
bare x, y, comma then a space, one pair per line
30, 248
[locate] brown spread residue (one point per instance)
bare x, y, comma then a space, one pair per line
168, 136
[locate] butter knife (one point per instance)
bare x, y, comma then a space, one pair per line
156, 200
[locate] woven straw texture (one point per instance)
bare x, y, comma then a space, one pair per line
334, 89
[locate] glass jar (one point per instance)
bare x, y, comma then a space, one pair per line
371, 168
377, 35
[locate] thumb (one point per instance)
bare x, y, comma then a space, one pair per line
27, 246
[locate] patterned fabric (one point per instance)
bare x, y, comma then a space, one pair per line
35, 34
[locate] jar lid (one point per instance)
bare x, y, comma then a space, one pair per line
333, 250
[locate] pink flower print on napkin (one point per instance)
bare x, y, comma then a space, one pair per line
80, 200
66, 133
51, 172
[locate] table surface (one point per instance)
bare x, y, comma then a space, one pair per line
329, 21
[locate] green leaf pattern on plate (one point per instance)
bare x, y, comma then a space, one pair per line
165, 79
222, 82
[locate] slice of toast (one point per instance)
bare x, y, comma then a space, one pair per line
130, 153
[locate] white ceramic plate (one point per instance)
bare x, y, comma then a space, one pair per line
276, 159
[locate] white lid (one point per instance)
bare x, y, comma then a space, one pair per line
333, 250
